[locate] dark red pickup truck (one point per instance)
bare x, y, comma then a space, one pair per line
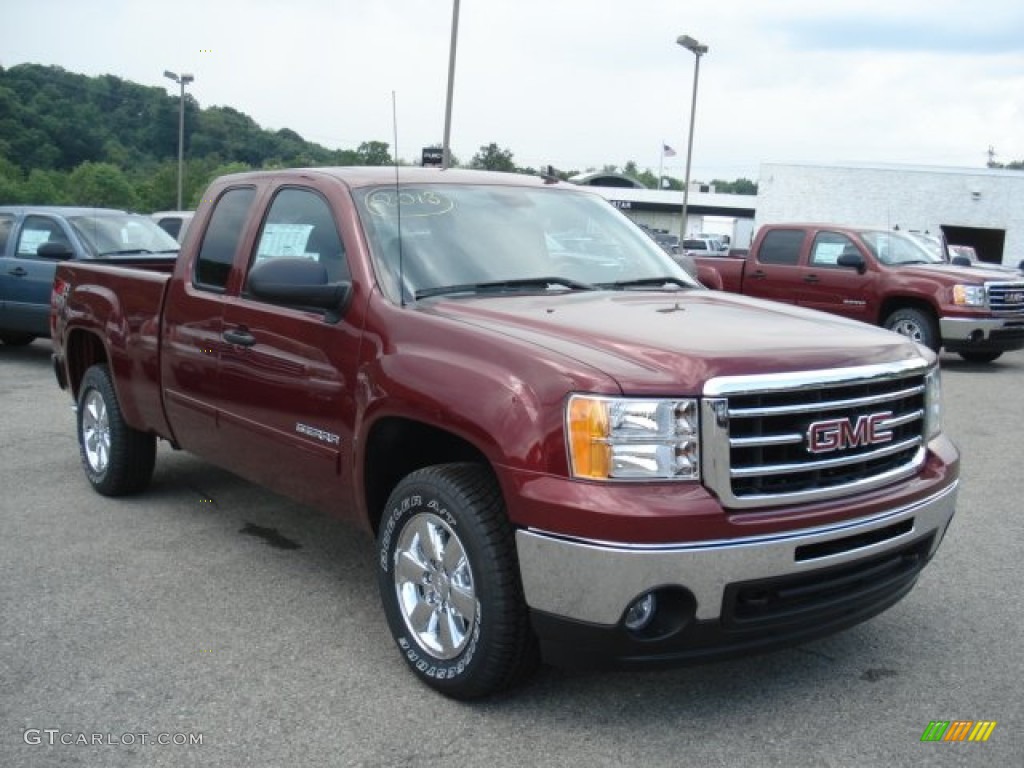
564, 446
881, 277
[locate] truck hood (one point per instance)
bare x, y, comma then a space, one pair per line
951, 273
673, 342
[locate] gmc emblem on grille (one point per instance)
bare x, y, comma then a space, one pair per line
841, 434
1015, 298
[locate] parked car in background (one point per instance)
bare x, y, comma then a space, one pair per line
703, 246
34, 238
885, 278
174, 223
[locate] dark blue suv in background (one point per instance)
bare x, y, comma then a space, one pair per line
34, 238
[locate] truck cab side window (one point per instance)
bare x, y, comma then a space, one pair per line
217, 252
781, 246
38, 230
300, 225
828, 247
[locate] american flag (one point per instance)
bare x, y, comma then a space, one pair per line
667, 151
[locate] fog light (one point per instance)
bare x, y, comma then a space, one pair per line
640, 612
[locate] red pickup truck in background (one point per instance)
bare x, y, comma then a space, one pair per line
881, 277
565, 447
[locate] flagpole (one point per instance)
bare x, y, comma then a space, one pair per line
661, 166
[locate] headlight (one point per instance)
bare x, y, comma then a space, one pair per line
969, 295
932, 404
614, 438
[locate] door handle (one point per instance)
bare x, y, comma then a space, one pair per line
811, 279
758, 275
239, 337
18, 272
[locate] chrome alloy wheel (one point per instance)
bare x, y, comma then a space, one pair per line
909, 328
434, 585
96, 432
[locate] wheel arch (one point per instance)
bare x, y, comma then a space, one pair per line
397, 446
82, 350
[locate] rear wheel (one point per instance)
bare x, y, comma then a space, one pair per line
118, 460
915, 324
17, 339
980, 357
449, 582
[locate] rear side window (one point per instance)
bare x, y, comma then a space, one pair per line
781, 246
220, 242
171, 226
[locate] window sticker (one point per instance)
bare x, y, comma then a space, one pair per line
285, 240
30, 241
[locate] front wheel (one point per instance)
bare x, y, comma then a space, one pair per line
450, 585
980, 357
118, 460
915, 324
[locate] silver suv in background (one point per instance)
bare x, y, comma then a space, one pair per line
174, 223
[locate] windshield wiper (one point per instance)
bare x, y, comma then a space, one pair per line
501, 286
651, 282
125, 252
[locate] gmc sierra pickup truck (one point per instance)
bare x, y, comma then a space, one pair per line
565, 447
33, 238
885, 278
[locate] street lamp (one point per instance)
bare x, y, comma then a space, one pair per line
446, 151
698, 50
182, 80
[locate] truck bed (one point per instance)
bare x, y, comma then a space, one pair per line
122, 306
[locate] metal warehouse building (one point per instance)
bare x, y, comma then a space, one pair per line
982, 207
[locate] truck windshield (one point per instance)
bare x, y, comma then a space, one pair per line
110, 234
460, 236
894, 249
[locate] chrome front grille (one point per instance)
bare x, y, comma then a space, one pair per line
789, 438
1006, 298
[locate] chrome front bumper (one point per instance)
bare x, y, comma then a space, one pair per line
967, 329
594, 582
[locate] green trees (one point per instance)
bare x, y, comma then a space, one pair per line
70, 139
493, 158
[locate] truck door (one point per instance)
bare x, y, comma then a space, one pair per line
286, 372
193, 326
774, 271
826, 286
26, 279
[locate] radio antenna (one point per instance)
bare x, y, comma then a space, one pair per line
398, 202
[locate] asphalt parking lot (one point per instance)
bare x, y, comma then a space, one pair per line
188, 614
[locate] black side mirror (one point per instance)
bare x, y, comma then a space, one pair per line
298, 283
961, 261
852, 261
56, 250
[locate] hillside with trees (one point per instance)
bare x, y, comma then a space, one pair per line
67, 138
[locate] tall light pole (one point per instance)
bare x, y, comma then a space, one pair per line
698, 50
182, 80
446, 151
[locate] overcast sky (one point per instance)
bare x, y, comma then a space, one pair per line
577, 83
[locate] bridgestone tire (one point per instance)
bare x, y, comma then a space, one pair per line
915, 324
980, 357
450, 585
17, 339
118, 460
